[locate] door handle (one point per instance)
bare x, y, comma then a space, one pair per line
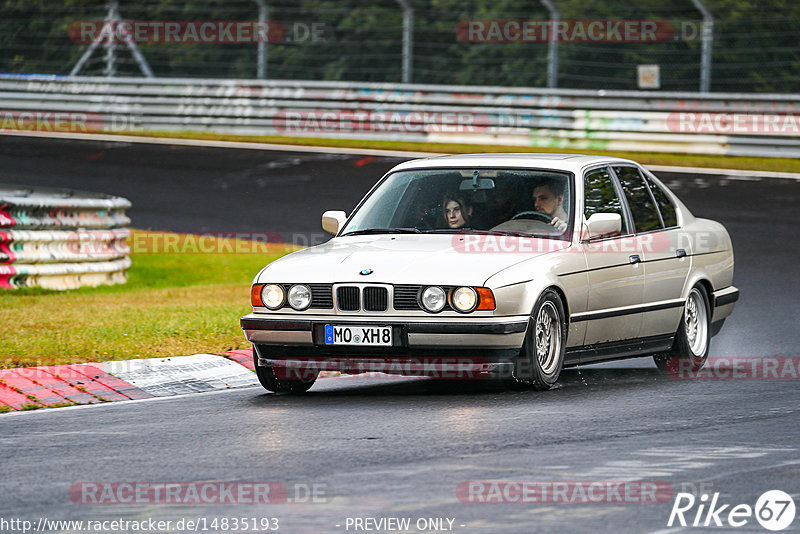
635, 259
681, 253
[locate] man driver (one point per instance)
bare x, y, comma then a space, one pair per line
548, 198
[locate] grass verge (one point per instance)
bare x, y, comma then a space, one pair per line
645, 158
175, 303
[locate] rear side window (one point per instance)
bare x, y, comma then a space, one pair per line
665, 205
601, 195
645, 214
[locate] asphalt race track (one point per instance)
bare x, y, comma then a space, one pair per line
397, 447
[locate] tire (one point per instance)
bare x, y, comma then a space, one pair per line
271, 382
542, 355
690, 349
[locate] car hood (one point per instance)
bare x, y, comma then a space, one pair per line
407, 259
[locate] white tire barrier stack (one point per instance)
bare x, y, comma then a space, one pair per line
60, 239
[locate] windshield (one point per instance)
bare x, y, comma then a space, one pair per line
510, 201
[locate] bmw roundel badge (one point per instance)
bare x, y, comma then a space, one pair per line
365, 272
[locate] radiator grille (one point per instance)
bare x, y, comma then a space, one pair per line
405, 297
321, 296
376, 299
348, 298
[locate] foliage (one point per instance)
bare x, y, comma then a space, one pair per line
755, 47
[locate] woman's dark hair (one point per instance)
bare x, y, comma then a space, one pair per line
462, 203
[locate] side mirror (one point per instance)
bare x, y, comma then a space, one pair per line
332, 221
602, 225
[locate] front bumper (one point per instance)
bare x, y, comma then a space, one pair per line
416, 333
412, 363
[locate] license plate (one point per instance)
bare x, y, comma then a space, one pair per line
365, 336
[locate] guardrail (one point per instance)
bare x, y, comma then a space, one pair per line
61, 239
716, 123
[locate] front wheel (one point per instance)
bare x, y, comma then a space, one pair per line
692, 343
542, 356
281, 382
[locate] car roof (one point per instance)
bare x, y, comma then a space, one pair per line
566, 162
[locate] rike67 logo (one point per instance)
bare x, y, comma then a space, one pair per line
774, 510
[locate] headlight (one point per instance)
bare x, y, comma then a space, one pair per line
433, 299
464, 299
273, 296
299, 297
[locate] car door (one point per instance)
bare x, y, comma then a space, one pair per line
615, 274
665, 259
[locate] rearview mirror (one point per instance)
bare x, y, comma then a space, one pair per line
332, 221
602, 225
482, 184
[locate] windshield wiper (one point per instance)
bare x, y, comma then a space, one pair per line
368, 231
450, 230
480, 232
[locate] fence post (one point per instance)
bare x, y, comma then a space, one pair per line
111, 46
708, 40
262, 44
408, 39
552, 44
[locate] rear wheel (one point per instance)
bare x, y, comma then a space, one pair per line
282, 382
542, 356
690, 349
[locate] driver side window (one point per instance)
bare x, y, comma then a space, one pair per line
601, 195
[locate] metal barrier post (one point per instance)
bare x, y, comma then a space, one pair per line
408, 39
708, 40
552, 45
262, 44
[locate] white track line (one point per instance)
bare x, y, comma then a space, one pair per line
99, 405
725, 172
357, 151
225, 144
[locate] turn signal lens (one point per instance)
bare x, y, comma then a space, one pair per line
255, 295
273, 296
485, 299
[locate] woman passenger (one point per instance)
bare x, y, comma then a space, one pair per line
456, 211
